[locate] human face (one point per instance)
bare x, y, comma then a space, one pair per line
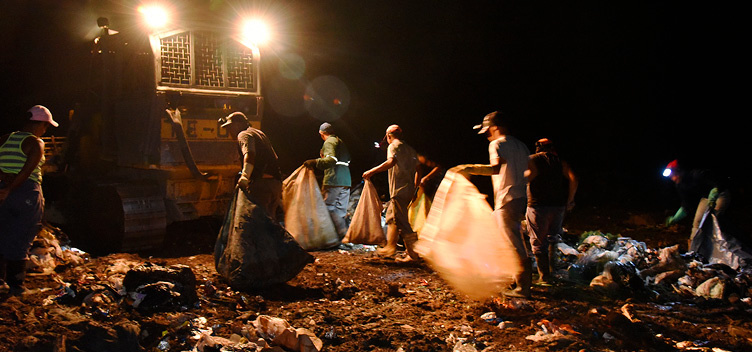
490, 133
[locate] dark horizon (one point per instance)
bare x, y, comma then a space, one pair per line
622, 88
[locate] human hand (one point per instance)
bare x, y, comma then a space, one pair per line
367, 175
244, 183
712, 197
311, 163
463, 170
4, 194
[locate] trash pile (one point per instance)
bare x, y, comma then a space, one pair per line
622, 267
106, 305
51, 252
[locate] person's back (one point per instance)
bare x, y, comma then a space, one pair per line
266, 163
402, 174
549, 187
338, 174
510, 183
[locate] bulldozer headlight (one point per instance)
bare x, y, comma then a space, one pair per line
255, 31
154, 16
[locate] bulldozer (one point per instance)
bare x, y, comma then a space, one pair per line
145, 148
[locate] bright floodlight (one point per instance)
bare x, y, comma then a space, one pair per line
255, 31
154, 16
666, 172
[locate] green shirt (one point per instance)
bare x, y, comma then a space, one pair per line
335, 161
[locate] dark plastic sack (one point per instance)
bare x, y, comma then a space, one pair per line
254, 251
365, 227
715, 246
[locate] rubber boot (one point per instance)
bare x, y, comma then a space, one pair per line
391, 242
522, 281
409, 241
544, 270
15, 275
553, 249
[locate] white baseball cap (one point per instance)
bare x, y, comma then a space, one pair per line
40, 113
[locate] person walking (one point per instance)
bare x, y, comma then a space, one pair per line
550, 193
335, 161
508, 158
21, 198
260, 176
401, 163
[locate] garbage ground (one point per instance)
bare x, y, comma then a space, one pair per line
624, 285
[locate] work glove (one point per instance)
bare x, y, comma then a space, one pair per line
310, 163
712, 198
680, 214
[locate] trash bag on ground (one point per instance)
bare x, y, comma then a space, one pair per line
254, 251
462, 241
365, 227
418, 210
306, 215
716, 246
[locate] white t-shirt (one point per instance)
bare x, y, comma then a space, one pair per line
510, 183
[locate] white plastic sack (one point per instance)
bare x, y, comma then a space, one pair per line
306, 216
462, 240
365, 227
418, 210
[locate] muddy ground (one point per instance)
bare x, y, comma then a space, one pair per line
353, 300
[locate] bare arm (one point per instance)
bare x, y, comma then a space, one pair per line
573, 183
386, 165
481, 169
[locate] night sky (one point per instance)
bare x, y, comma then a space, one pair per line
622, 87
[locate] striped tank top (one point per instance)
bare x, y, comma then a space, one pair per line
12, 157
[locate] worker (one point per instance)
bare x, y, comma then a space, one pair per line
508, 162
260, 177
335, 161
550, 193
401, 164
699, 190
21, 198
429, 175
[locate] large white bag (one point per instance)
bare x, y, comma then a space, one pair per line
365, 227
306, 216
462, 240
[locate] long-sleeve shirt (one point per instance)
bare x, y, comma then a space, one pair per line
335, 161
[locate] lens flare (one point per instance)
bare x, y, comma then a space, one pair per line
154, 16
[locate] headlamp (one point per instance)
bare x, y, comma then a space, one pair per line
667, 172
